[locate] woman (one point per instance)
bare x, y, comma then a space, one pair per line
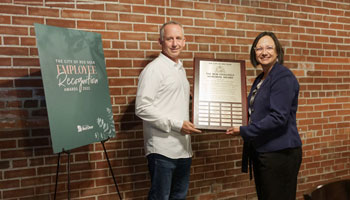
271, 140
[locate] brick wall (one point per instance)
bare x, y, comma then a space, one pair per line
315, 35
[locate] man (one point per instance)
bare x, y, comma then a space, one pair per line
162, 102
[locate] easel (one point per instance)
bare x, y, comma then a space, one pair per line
110, 167
68, 152
57, 169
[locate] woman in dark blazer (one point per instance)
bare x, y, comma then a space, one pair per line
271, 140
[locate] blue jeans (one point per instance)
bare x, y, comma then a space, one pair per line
169, 177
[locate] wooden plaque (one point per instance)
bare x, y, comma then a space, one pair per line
220, 96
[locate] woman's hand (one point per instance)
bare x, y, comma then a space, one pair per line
233, 131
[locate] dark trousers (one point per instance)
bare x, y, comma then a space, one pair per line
169, 177
275, 173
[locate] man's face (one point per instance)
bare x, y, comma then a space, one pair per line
173, 41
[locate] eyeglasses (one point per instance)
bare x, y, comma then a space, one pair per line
259, 50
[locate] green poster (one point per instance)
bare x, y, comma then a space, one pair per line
76, 87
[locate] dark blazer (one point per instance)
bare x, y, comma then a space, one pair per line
273, 121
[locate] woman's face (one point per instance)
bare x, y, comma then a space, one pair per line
265, 51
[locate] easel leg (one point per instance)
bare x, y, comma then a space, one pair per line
110, 168
57, 170
68, 175
58, 167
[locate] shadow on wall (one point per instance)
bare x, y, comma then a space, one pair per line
26, 152
27, 156
134, 161
136, 179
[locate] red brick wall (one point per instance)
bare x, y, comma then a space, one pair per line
316, 39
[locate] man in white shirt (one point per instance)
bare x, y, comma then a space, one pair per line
162, 102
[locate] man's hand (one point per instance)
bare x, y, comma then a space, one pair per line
233, 131
188, 128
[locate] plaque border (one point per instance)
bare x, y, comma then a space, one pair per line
195, 103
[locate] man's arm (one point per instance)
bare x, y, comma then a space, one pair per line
148, 87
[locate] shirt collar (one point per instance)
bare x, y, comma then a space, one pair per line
171, 62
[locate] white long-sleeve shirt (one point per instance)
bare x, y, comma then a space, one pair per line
162, 102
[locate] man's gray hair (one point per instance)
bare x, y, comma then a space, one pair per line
163, 26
